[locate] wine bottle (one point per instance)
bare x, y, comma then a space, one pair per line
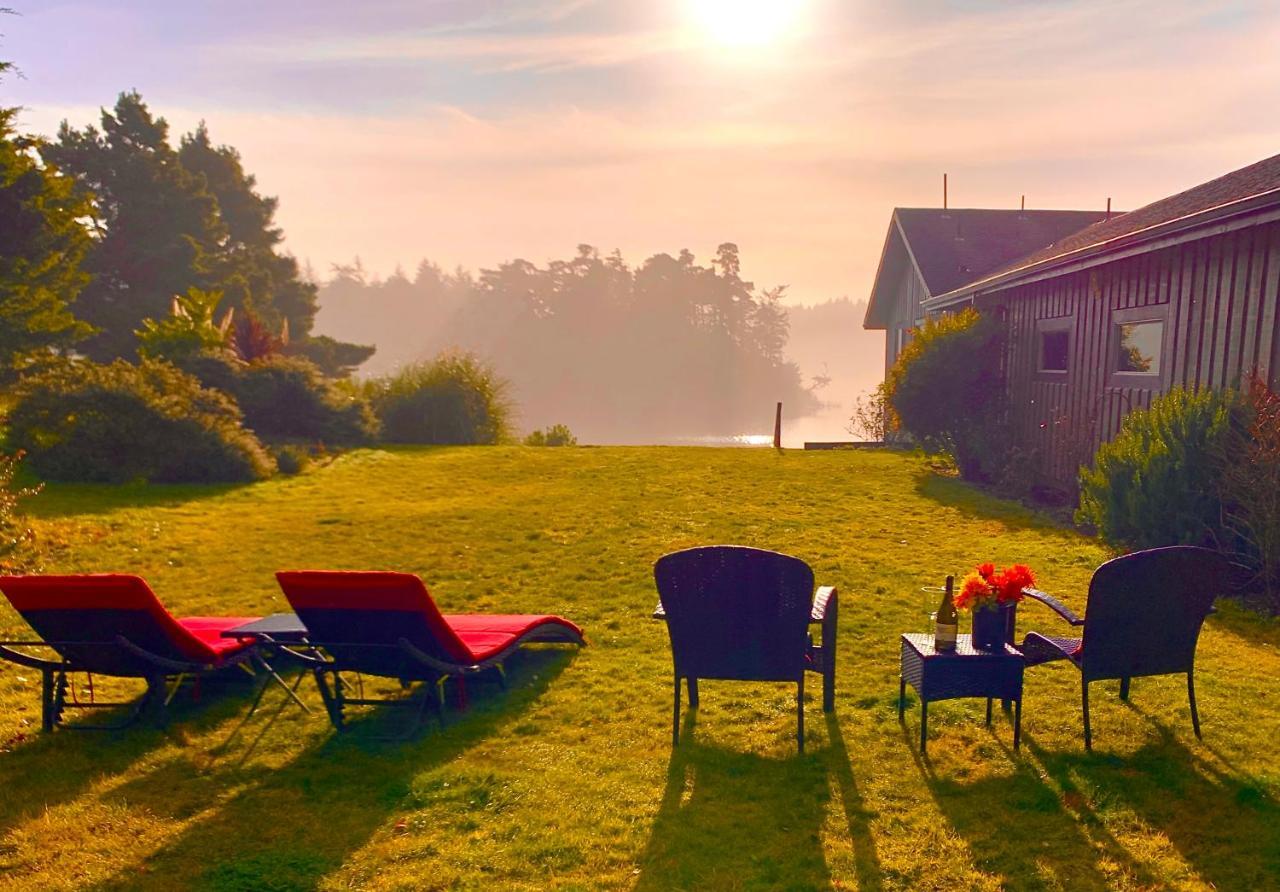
948, 621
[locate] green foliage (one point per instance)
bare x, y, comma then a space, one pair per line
15, 536
945, 391
287, 398
189, 329
1249, 462
42, 246
292, 458
555, 435
118, 423
870, 415
335, 358
454, 399
1158, 482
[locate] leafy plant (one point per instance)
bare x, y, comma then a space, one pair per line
287, 398
1158, 482
190, 327
14, 536
453, 399
1249, 461
870, 415
118, 423
251, 340
555, 435
945, 391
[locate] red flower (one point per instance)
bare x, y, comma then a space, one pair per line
986, 587
987, 571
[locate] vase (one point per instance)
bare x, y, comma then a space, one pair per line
991, 627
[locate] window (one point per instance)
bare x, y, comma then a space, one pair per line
1138, 346
1055, 346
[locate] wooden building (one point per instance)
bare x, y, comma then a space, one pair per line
1182, 292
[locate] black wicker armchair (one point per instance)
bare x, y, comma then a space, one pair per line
743, 614
1143, 617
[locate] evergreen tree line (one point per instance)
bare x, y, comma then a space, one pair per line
105, 225
669, 348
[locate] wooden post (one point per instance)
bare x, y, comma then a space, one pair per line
777, 428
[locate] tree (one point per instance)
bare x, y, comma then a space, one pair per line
41, 253
157, 227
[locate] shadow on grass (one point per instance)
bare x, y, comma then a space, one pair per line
47, 770
969, 499
1224, 824
857, 816
59, 500
289, 827
1028, 834
733, 819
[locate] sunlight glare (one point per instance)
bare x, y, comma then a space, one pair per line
745, 23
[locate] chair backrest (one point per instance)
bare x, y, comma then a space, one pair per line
82, 616
734, 612
360, 616
1145, 611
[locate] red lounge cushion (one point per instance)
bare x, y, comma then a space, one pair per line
487, 634
208, 630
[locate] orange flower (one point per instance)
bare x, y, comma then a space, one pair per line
974, 591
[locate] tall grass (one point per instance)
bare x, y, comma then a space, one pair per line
454, 399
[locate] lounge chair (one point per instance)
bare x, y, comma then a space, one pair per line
113, 624
743, 614
1143, 617
386, 624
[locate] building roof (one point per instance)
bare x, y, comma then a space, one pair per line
951, 248
1258, 183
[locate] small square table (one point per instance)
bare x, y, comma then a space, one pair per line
964, 672
285, 628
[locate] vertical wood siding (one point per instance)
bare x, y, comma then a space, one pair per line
1218, 297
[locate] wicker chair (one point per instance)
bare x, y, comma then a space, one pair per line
1143, 617
743, 614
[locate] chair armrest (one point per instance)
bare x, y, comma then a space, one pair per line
826, 595
1054, 604
659, 612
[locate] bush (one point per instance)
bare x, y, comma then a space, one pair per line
870, 413
118, 423
1158, 482
291, 459
555, 435
1249, 459
287, 398
453, 399
945, 391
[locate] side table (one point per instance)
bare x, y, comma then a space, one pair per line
964, 672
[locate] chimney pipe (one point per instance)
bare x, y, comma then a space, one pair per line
1024, 202
944, 191
1108, 207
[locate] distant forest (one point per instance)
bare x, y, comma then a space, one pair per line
660, 351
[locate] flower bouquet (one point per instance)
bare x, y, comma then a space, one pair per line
991, 594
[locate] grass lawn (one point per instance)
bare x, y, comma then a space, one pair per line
568, 780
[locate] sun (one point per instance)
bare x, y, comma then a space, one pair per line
745, 23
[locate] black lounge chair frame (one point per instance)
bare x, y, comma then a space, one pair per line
327, 661
152, 668
1176, 584
766, 581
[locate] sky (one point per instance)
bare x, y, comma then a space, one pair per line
472, 132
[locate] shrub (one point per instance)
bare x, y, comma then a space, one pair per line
292, 459
189, 328
120, 422
1249, 459
870, 414
452, 399
1158, 482
287, 398
555, 435
15, 537
945, 391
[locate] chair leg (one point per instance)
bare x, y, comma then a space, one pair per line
1084, 703
924, 724
1017, 723
1124, 688
675, 716
693, 691
46, 701
1191, 695
902, 697
988, 712
800, 712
